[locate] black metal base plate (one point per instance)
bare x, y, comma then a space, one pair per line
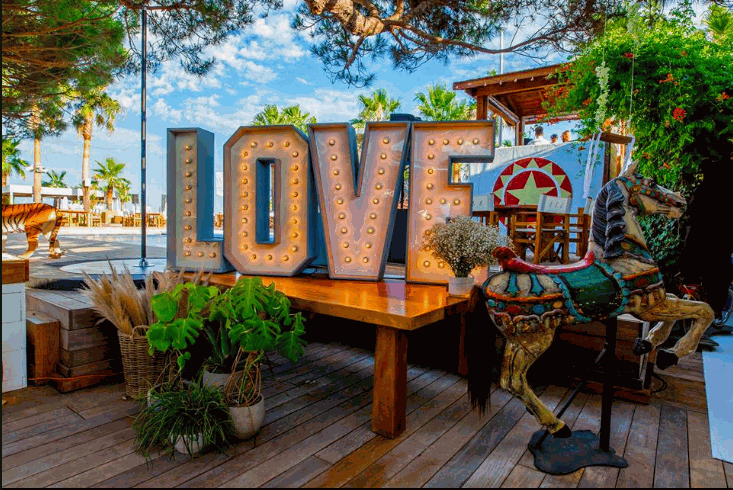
562, 456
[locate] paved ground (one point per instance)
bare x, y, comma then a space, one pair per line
85, 245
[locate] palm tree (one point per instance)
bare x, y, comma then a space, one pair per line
94, 107
56, 179
271, 116
109, 172
719, 22
440, 105
376, 107
12, 163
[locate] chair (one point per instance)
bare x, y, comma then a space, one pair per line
522, 231
578, 230
96, 220
552, 214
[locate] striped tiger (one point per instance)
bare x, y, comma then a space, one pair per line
33, 219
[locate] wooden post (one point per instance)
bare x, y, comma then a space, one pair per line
389, 407
481, 108
519, 133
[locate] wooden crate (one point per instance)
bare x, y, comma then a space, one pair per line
88, 350
42, 333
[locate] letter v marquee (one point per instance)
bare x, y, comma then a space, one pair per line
434, 195
358, 197
190, 226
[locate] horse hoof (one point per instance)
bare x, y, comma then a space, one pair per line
666, 359
563, 433
642, 347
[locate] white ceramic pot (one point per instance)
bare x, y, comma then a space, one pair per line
196, 444
215, 379
248, 420
460, 286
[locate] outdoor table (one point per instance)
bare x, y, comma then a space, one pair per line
77, 216
507, 212
395, 307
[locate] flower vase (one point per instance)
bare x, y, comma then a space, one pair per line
460, 286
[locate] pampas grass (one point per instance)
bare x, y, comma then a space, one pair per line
117, 299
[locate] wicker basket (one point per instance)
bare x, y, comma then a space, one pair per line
142, 371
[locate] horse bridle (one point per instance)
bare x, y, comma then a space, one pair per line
639, 185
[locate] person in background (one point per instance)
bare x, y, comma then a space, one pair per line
539, 137
553, 139
565, 136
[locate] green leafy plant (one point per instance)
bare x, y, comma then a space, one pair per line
189, 411
181, 314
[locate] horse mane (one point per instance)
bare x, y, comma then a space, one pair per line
609, 227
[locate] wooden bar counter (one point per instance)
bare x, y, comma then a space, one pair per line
394, 306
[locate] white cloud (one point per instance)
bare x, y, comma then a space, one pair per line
161, 109
329, 105
303, 81
257, 73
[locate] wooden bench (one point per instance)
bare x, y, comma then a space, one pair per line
394, 307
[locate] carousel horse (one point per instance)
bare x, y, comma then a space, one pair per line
618, 275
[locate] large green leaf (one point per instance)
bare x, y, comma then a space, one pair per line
165, 306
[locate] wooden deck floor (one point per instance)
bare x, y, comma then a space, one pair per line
317, 433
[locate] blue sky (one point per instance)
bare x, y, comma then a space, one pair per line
268, 64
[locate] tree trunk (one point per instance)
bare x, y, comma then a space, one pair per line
37, 177
85, 174
5, 179
110, 192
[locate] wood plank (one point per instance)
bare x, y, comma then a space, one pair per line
72, 358
728, 473
213, 473
66, 471
588, 419
523, 477
36, 419
390, 382
391, 302
79, 426
462, 465
39, 428
672, 461
705, 471
15, 269
449, 389
72, 454
298, 475
641, 448
65, 443
42, 332
86, 338
395, 460
144, 472
105, 365
70, 312
422, 468
605, 477
498, 464
100, 473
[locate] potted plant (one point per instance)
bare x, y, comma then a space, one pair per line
256, 319
188, 417
118, 299
181, 314
464, 245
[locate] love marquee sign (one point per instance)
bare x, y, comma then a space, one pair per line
281, 187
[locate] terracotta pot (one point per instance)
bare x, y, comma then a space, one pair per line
460, 286
248, 420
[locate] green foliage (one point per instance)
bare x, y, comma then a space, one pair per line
12, 163
180, 315
187, 410
670, 82
258, 318
439, 104
377, 106
51, 49
271, 115
55, 179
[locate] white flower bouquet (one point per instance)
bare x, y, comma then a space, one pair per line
463, 244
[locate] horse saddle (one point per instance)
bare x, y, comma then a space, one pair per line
590, 290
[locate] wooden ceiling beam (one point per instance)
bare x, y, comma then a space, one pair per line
497, 107
515, 87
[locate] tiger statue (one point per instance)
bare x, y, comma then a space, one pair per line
34, 219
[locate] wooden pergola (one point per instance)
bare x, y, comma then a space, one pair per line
516, 97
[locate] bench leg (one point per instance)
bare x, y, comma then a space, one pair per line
389, 407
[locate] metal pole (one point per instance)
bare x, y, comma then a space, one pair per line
609, 377
143, 163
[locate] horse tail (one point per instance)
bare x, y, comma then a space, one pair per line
482, 356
